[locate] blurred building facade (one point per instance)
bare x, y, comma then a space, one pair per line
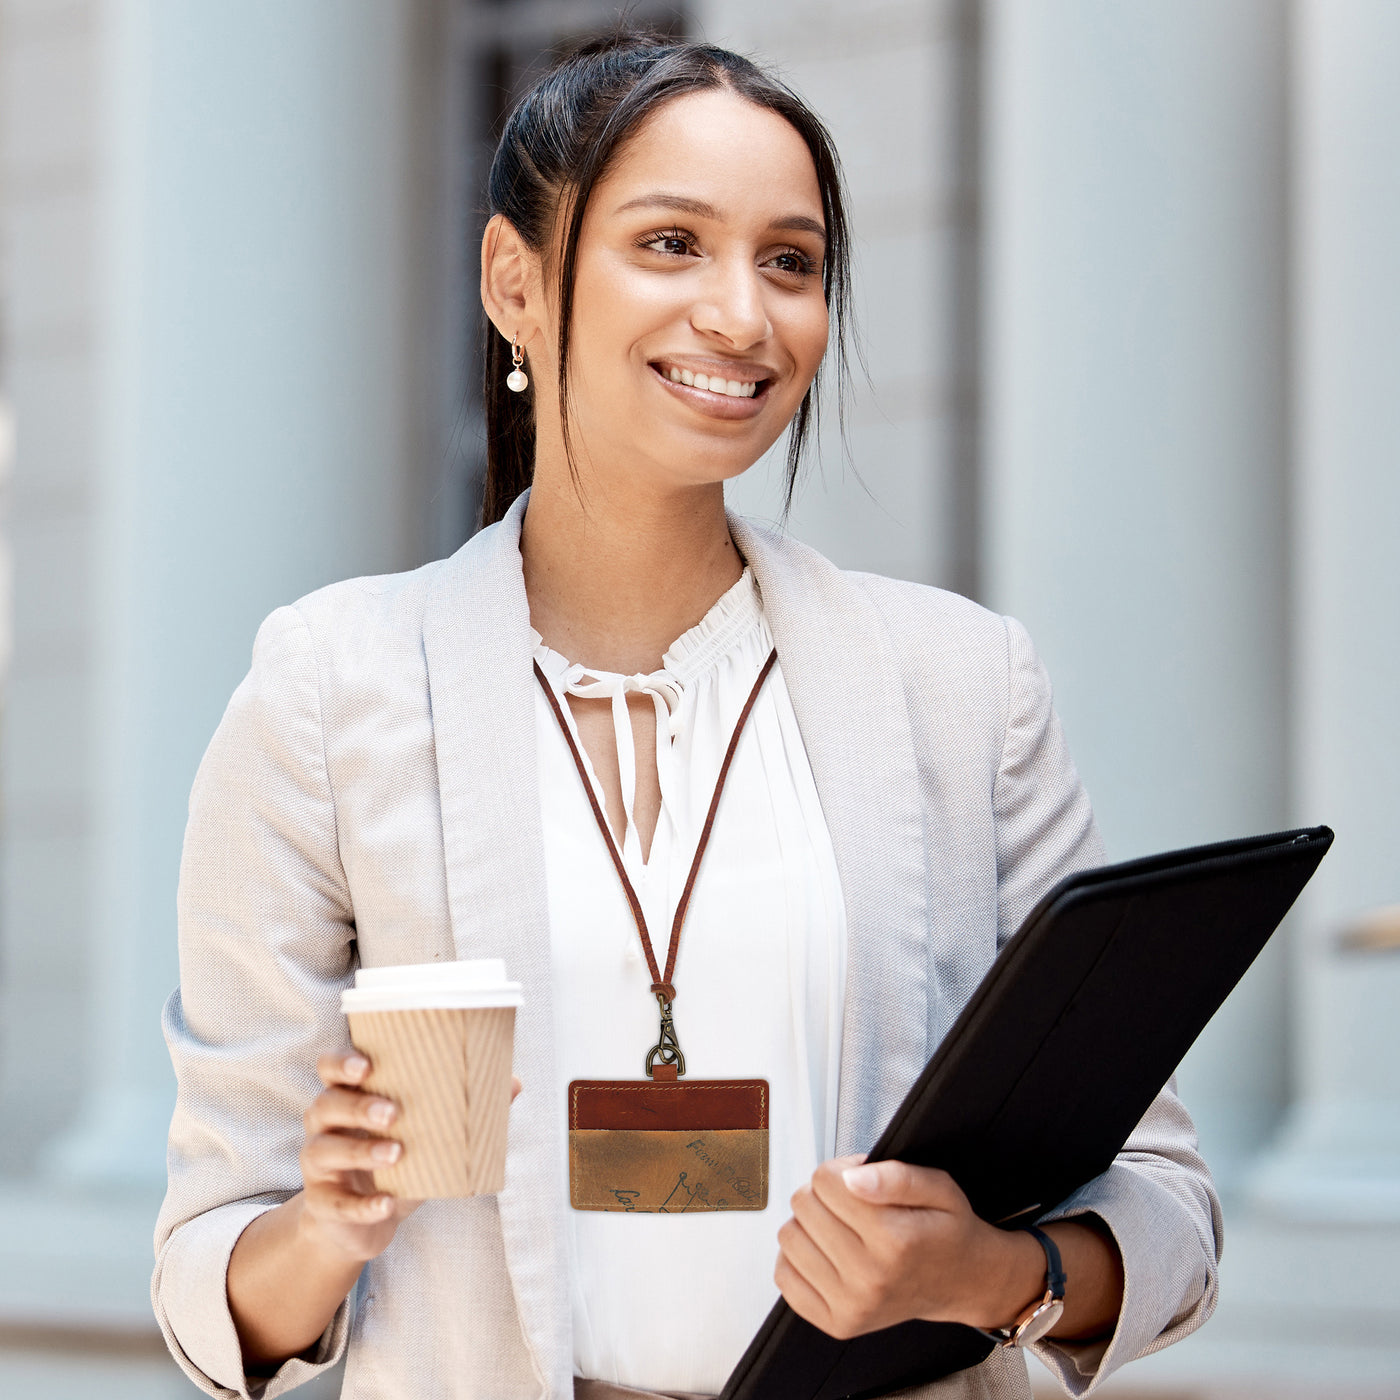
1131, 310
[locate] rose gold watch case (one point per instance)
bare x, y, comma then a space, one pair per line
1040, 1320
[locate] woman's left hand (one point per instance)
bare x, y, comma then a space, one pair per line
873, 1245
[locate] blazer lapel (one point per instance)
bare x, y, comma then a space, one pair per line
848, 693
478, 647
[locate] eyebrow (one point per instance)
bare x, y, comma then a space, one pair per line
684, 204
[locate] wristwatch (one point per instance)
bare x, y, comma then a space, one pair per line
1045, 1312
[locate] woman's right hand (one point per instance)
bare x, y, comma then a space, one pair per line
346, 1140
293, 1266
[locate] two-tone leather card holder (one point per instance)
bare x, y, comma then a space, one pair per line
669, 1147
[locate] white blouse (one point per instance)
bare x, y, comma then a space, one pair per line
668, 1302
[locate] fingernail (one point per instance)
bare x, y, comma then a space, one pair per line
864, 1181
383, 1205
356, 1065
381, 1113
385, 1151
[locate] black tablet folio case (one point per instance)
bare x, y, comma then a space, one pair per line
1057, 1055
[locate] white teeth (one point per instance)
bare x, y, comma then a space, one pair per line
731, 388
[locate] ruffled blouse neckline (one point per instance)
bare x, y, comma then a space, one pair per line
732, 624
732, 617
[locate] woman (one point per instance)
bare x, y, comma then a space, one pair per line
411, 772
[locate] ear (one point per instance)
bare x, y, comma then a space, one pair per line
510, 280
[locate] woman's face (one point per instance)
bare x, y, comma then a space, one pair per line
699, 262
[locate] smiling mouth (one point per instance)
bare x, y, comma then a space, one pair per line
713, 383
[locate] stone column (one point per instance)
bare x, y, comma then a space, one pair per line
1339, 1156
49, 203
1134, 430
253, 441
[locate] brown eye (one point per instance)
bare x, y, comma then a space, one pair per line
672, 244
794, 263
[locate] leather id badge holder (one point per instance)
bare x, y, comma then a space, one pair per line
668, 1147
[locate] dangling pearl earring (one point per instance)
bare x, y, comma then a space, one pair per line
516, 379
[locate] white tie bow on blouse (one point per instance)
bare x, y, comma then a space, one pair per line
666, 693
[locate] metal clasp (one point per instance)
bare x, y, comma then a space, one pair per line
667, 1048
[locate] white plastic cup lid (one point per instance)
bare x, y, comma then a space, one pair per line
480, 982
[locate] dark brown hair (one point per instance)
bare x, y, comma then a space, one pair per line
559, 141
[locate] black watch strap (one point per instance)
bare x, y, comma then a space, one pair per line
1054, 1267
1042, 1315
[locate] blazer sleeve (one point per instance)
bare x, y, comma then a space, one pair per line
1157, 1198
266, 944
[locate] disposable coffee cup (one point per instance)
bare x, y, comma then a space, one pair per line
439, 1037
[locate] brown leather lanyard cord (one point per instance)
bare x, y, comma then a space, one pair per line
663, 987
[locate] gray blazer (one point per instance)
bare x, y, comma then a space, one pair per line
370, 796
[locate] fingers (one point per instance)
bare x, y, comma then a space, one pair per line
329, 1155
337, 1171
344, 1067
337, 1174
349, 1110
805, 1257
344, 1145
886, 1184
801, 1297
514, 1088
836, 1239
330, 1202
830, 1189
842, 1298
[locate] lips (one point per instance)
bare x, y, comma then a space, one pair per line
712, 395
727, 379
715, 383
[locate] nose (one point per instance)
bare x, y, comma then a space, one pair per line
732, 306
